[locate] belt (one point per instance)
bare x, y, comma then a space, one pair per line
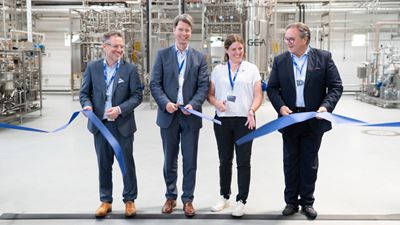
300, 109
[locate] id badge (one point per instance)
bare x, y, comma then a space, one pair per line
231, 98
299, 82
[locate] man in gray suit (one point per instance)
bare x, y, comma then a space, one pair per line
179, 79
112, 89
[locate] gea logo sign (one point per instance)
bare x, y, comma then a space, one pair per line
256, 42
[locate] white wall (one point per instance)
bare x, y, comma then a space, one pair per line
56, 65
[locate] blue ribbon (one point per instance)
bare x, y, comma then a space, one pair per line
93, 118
285, 121
201, 115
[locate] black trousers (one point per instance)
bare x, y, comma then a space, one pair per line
232, 129
300, 160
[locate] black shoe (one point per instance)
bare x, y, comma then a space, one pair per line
290, 210
309, 211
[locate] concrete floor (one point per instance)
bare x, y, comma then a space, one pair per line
44, 174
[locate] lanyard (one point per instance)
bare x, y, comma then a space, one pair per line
232, 81
105, 73
300, 69
181, 66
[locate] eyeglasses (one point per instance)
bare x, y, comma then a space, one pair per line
115, 46
289, 40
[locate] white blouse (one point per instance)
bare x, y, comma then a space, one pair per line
243, 90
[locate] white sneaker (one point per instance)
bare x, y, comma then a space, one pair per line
239, 209
221, 204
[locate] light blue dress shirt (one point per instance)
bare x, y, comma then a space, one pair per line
110, 72
300, 71
181, 57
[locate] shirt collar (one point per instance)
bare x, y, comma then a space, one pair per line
301, 57
179, 52
113, 66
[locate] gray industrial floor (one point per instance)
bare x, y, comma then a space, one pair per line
56, 174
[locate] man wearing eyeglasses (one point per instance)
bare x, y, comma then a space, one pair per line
303, 79
112, 89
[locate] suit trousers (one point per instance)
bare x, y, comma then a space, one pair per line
300, 159
105, 160
232, 129
180, 132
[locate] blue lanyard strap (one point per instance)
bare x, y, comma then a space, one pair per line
232, 81
300, 69
105, 73
181, 65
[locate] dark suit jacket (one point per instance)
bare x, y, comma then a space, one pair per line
126, 93
164, 84
323, 86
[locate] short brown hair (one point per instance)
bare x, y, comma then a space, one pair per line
186, 18
109, 34
303, 29
232, 38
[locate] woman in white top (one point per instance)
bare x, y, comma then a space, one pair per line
235, 92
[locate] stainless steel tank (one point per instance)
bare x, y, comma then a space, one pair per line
257, 36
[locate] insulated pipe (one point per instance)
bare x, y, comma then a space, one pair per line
25, 32
4, 20
29, 19
299, 6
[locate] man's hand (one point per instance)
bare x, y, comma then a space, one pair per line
320, 110
113, 113
171, 107
88, 108
188, 106
285, 110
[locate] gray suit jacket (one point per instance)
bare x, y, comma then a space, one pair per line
126, 93
164, 84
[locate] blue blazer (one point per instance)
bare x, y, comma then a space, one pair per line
126, 93
164, 84
322, 87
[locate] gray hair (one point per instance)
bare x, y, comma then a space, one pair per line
109, 34
303, 29
186, 18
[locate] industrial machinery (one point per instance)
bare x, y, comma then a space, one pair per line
220, 18
381, 75
20, 83
20, 65
87, 27
259, 35
250, 19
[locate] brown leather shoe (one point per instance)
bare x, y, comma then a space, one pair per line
104, 208
188, 209
130, 209
169, 206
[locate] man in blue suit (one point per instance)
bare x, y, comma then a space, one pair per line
179, 79
303, 79
112, 89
